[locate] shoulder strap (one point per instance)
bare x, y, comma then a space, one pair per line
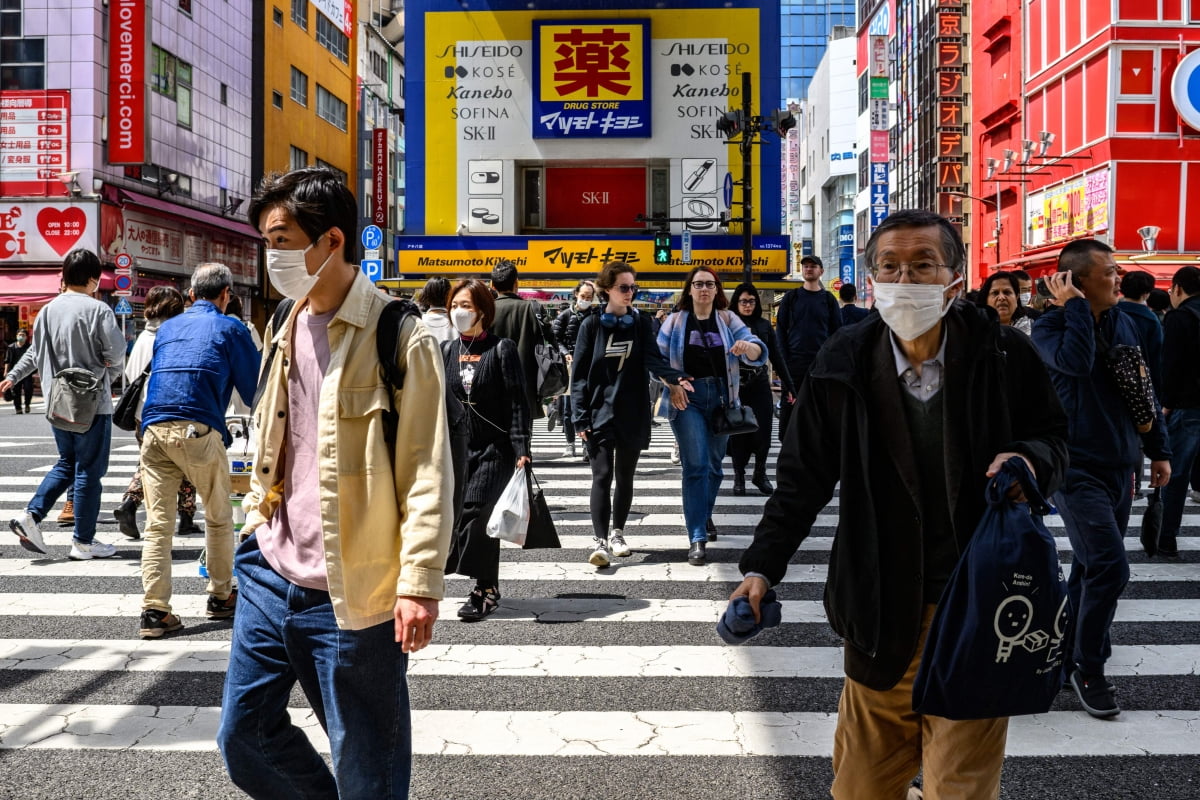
387, 340
281, 313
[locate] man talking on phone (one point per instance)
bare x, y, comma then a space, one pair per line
1097, 491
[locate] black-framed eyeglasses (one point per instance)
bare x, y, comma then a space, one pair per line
704, 284
627, 288
746, 301
917, 270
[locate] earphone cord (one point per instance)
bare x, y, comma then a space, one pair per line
469, 404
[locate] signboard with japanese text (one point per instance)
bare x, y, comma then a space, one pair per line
35, 142
128, 90
339, 12
951, 169
591, 79
379, 176
174, 247
1073, 208
43, 233
581, 257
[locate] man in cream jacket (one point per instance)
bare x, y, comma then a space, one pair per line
342, 574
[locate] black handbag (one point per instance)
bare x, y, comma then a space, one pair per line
1128, 370
1152, 522
125, 412
728, 419
541, 533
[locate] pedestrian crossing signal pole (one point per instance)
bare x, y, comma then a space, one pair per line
662, 247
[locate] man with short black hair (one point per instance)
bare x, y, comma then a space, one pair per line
1028, 295
851, 313
1135, 288
24, 387
74, 330
808, 315
1181, 399
200, 356
517, 319
1096, 494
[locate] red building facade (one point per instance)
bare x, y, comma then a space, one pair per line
1077, 136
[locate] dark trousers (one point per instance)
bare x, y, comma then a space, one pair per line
610, 460
798, 372
568, 425
1094, 505
472, 552
757, 395
1183, 427
22, 389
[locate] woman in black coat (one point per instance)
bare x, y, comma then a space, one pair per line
566, 331
611, 397
484, 372
756, 393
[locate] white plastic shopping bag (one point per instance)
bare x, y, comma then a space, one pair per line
510, 518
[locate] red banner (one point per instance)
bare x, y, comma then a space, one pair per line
379, 176
594, 197
35, 142
128, 45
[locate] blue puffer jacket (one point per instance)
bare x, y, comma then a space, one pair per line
199, 357
1101, 431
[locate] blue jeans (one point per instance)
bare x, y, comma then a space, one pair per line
700, 454
354, 679
1095, 509
1183, 427
82, 464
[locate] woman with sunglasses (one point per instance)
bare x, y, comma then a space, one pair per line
610, 396
756, 393
710, 345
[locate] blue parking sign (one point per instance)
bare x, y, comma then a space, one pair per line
373, 268
372, 237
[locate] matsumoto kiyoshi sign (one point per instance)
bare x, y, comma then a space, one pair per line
591, 79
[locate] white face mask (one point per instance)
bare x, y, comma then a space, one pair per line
911, 309
582, 304
1027, 300
463, 319
288, 271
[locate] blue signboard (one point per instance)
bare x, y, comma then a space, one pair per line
846, 269
372, 237
879, 194
879, 172
878, 215
373, 268
123, 306
591, 78
727, 191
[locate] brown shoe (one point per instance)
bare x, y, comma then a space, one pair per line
221, 609
67, 515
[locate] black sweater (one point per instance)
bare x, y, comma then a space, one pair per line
1181, 356
766, 334
497, 413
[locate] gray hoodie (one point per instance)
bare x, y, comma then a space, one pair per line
438, 323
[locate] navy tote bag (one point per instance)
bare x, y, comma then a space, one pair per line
1000, 638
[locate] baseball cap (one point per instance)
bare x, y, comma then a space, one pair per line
815, 259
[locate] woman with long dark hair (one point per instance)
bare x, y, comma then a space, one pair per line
706, 342
611, 398
756, 393
1001, 292
484, 372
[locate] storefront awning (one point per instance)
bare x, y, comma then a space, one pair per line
18, 286
127, 197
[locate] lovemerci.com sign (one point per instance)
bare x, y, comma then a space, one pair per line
591, 79
128, 99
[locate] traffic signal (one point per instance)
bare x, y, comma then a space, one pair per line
662, 247
782, 121
731, 123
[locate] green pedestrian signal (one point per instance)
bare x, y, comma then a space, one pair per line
662, 247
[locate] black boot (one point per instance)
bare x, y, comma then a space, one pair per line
711, 529
739, 482
186, 526
126, 515
760, 480
696, 554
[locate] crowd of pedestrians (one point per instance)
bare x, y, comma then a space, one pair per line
364, 494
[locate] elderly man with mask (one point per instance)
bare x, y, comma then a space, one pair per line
912, 410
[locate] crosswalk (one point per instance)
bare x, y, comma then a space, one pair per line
585, 684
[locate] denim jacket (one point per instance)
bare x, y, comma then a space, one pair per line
200, 356
672, 339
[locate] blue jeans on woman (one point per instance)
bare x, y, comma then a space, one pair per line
354, 680
700, 454
82, 464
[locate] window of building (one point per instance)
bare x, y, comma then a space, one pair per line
299, 158
300, 13
183, 94
277, 99
330, 108
340, 174
277, 16
299, 87
22, 59
379, 65
224, 95
164, 69
332, 39
186, 6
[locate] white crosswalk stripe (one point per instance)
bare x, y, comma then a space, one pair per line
564, 633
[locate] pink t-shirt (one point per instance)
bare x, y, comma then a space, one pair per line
292, 541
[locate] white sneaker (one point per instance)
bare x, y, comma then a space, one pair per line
569, 451
675, 453
616, 543
82, 552
29, 533
599, 556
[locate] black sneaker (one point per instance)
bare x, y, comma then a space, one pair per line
126, 516
1095, 695
480, 603
155, 623
710, 529
221, 609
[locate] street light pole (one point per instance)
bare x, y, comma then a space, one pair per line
747, 145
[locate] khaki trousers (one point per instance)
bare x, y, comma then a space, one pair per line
168, 454
881, 743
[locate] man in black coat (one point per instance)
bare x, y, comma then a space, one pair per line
1181, 399
912, 410
517, 319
